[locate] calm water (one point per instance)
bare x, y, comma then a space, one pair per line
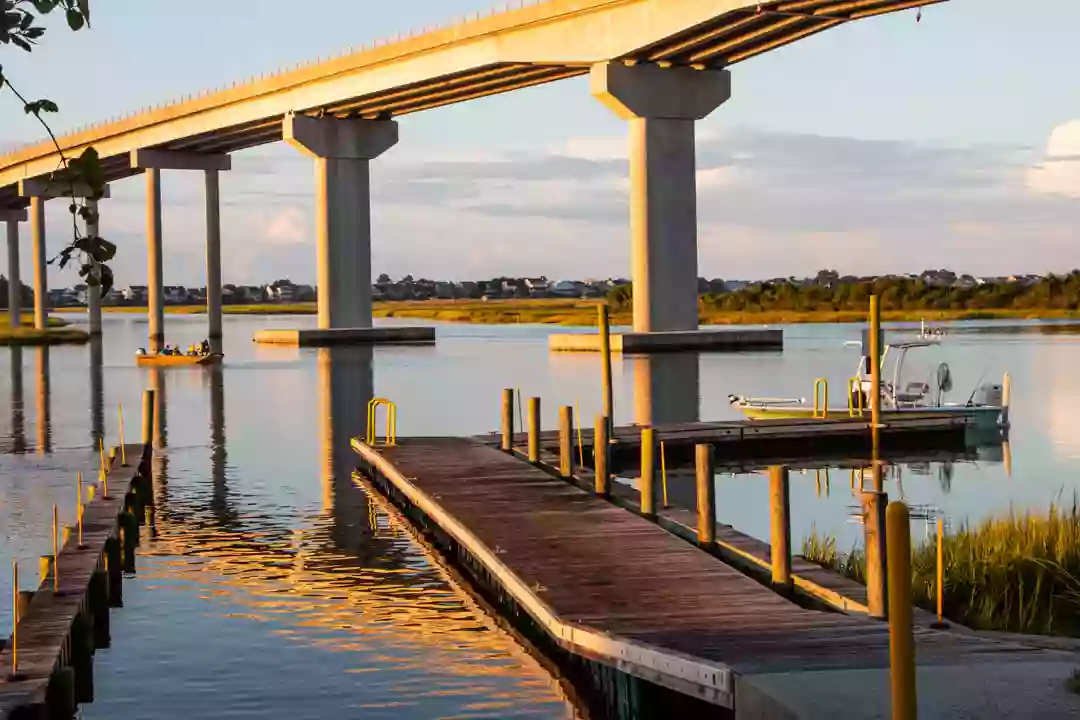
274, 588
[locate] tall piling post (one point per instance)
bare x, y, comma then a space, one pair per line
648, 473
508, 420
534, 430
123, 446
566, 441
780, 514
706, 495
15, 615
873, 514
901, 624
602, 457
605, 357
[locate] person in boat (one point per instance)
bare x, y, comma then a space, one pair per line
204, 348
140, 351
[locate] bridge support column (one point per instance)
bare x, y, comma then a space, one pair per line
155, 274
93, 292
661, 106
342, 150
12, 218
39, 190
154, 161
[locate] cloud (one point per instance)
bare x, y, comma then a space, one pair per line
1059, 173
769, 203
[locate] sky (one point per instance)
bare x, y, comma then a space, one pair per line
884, 145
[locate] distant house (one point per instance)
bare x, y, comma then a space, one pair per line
135, 294
63, 297
197, 295
493, 289
113, 297
468, 289
567, 288
538, 287
303, 293
174, 294
248, 294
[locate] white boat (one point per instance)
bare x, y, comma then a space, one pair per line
987, 405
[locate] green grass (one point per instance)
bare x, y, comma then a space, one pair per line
1014, 572
582, 313
26, 334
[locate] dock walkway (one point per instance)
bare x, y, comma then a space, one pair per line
618, 589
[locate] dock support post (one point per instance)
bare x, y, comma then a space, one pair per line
602, 456
14, 281
779, 501
155, 274
648, 473
60, 695
99, 608
114, 568
901, 633
706, 495
566, 441
508, 420
82, 657
534, 430
873, 511
605, 357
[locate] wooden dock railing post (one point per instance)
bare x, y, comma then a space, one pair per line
602, 456
706, 495
648, 473
779, 497
508, 420
566, 441
901, 633
939, 580
15, 614
873, 512
534, 430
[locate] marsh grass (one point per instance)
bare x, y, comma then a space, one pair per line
1014, 572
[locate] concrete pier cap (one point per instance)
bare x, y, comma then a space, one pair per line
343, 139
649, 91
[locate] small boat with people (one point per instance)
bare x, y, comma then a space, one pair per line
987, 405
171, 356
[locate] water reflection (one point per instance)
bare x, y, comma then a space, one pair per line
223, 511
18, 413
667, 388
44, 402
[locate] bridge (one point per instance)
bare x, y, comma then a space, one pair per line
661, 65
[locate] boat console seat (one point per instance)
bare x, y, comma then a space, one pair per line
915, 392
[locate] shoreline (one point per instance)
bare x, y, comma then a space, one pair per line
582, 313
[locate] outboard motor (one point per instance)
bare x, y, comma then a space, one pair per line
989, 394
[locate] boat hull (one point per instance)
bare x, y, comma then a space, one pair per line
983, 416
175, 360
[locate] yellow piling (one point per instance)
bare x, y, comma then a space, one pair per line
508, 420
901, 632
79, 508
55, 551
779, 503
875, 378
534, 429
580, 446
566, 452
940, 624
14, 618
605, 357
663, 473
601, 457
123, 450
647, 490
521, 416
706, 495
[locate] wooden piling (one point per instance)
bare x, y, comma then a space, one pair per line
602, 456
148, 418
123, 447
98, 602
605, 355
18, 611
114, 567
901, 631
508, 420
129, 534
648, 473
60, 696
534, 430
566, 441
873, 512
779, 502
706, 497
875, 377
82, 657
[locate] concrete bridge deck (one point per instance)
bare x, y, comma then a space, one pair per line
613, 587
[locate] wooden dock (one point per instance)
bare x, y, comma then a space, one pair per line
614, 588
58, 632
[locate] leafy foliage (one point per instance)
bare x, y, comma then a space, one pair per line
19, 27
1061, 292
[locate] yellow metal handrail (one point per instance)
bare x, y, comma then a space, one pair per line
855, 408
391, 422
821, 412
